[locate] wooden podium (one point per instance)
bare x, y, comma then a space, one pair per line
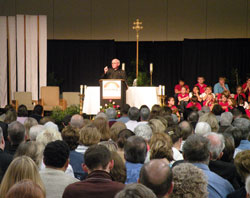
113, 89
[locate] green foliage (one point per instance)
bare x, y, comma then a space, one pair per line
58, 114
143, 75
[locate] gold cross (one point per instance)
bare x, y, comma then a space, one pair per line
137, 25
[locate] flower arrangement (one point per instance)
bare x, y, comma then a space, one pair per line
111, 104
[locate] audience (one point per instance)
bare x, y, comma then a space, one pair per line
26, 188
136, 190
244, 125
142, 146
196, 150
102, 126
98, 164
115, 130
134, 115
202, 128
242, 163
32, 149
5, 158
71, 136
16, 135
135, 151
189, 181
124, 114
89, 135
157, 176
20, 168
76, 121
56, 160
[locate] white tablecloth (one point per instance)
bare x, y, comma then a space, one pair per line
135, 97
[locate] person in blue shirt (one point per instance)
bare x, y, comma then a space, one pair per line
221, 86
135, 151
196, 150
244, 125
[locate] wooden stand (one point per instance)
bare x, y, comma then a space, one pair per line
81, 103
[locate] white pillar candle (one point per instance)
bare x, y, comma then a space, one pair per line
163, 90
123, 66
159, 91
85, 89
151, 67
81, 89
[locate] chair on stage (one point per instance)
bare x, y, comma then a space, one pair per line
71, 98
23, 98
50, 98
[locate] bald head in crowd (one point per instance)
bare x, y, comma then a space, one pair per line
76, 121
157, 176
186, 129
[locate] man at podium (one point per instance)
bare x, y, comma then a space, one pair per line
115, 72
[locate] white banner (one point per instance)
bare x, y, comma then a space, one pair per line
111, 89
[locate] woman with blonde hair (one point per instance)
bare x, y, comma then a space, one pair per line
161, 147
157, 126
103, 126
115, 130
20, 168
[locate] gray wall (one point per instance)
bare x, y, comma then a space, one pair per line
163, 20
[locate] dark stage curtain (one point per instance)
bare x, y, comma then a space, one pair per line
76, 62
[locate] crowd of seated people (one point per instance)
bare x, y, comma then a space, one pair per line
196, 147
206, 96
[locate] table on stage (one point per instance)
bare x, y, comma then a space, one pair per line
135, 97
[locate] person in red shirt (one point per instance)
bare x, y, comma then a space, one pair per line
194, 103
209, 102
239, 91
209, 90
226, 93
248, 112
177, 88
195, 92
224, 101
200, 84
246, 88
183, 99
231, 104
171, 104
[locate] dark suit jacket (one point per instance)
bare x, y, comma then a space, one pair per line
226, 170
5, 160
115, 74
98, 184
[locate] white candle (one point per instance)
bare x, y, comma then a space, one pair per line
159, 90
85, 88
123, 66
151, 67
163, 90
81, 89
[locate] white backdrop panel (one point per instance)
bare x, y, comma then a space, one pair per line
12, 50
20, 53
3, 61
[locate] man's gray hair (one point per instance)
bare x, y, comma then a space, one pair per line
217, 143
101, 115
144, 113
133, 113
111, 113
202, 128
16, 132
196, 149
77, 121
248, 184
226, 119
35, 131
144, 131
244, 125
